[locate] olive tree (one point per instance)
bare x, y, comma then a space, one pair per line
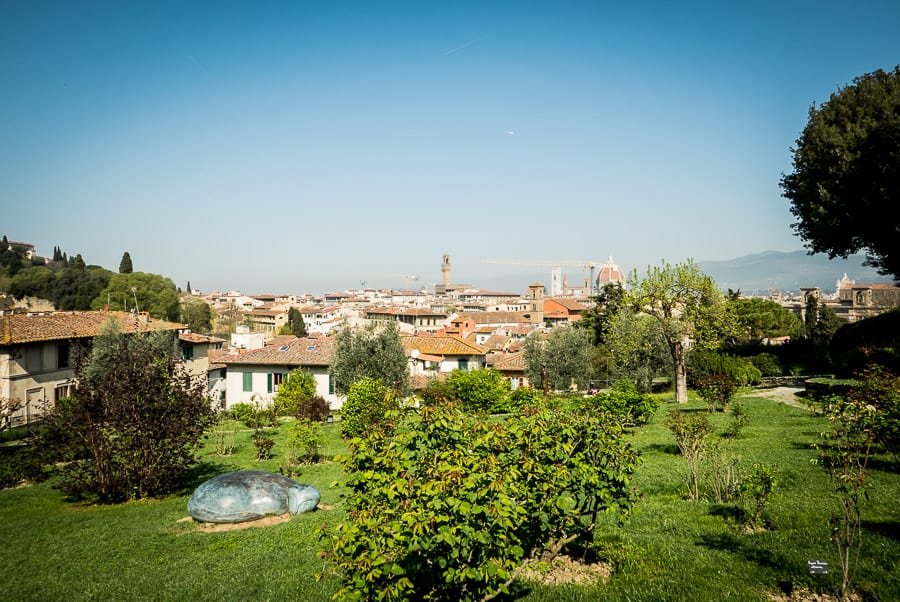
371, 352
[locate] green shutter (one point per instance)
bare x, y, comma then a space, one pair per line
269, 382
248, 381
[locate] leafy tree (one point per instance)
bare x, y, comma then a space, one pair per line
764, 319
152, 293
76, 289
846, 180
484, 390
372, 352
296, 387
690, 312
196, 313
125, 266
637, 349
562, 358
135, 421
296, 323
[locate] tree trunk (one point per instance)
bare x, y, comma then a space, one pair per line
681, 395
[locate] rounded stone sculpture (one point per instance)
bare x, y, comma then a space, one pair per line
245, 495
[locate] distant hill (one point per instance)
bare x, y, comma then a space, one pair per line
788, 271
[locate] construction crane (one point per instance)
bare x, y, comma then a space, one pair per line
406, 278
555, 266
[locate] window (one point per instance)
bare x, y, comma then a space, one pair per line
273, 381
62, 391
330, 385
187, 352
463, 364
248, 381
62, 354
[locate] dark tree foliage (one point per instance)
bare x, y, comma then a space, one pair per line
296, 323
135, 421
125, 266
875, 340
606, 305
197, 314
845, 186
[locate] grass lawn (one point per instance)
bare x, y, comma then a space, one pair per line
669, 549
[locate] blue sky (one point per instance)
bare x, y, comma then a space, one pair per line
310, 146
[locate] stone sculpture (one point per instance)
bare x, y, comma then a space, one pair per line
247, 495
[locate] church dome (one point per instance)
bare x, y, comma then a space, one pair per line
610, 273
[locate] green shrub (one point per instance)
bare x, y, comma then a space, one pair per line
525, 397
691, 431
437, 391
244, 412
365, 407
19, 463
767, 363
296, 388
705, 363
716, 390
484, 390
629, 406
756, 488
739, 420
448, 506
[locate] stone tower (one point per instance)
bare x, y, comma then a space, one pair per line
445, 271
536, 303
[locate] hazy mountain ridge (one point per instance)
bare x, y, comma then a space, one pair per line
788, 271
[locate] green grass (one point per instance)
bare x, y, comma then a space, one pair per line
669, 549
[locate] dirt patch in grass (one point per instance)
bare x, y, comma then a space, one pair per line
563, 570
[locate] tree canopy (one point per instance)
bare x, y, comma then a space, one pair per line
689, 311
296, 324
763, 318
845, 186
560, 359
371, 352
152, 293
196, 313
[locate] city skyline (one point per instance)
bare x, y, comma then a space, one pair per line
315, 147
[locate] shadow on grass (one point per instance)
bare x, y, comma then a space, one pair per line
890, 529
198, 474
884, 465
732, 543
663, 448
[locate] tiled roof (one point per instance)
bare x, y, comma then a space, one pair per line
193, 337
300, 352
52, 326
570, 304
435, 345
512, 362
496, 317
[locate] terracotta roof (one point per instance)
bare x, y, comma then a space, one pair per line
570, 304
51, 326
435, 345
404, 311
194, 337
512, 362
300, 352
495, 317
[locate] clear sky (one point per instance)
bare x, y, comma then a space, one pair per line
310, 146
